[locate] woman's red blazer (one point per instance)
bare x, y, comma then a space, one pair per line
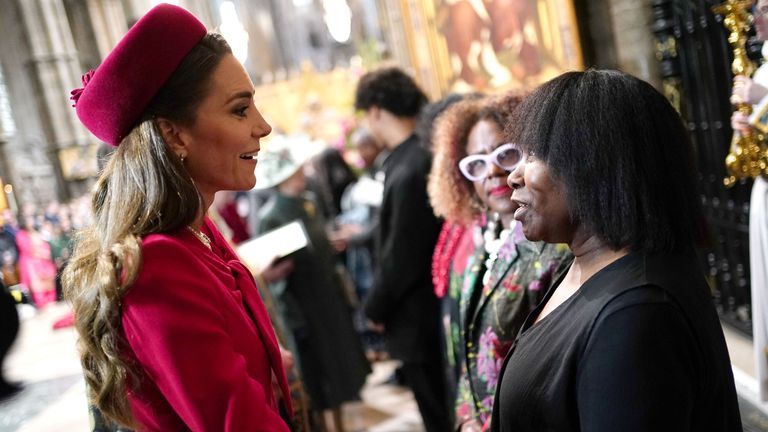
201, 338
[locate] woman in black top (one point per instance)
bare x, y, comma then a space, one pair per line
628, 339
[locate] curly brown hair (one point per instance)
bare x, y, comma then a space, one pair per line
452, 196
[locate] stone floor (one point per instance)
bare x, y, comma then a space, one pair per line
53, 399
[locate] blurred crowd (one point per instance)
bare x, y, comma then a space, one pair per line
36, 244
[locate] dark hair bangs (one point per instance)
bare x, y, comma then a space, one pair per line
535, 121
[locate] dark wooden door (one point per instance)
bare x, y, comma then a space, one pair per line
695, 60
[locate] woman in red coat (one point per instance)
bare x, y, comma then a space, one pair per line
173, 334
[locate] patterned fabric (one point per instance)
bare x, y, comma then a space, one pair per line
453, 352
491, 315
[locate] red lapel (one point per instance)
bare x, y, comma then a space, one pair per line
256, 305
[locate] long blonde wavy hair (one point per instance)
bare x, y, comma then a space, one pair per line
143, 189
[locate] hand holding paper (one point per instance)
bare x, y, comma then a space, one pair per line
259, 253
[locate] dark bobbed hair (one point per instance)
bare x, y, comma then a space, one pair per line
333, 175
430, 113
390, 89
622, 153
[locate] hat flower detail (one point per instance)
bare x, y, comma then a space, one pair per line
75, 94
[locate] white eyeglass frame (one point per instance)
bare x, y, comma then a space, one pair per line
490, 158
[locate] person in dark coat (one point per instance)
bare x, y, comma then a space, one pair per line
9, 329
312, 300
332, 176
402, 303
9, 252
359, 220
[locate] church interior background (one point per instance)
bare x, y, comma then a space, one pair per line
305, 57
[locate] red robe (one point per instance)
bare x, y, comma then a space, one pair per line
202, 339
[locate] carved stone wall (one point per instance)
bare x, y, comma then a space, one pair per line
46, 46
632, 27
617, 34
29, 152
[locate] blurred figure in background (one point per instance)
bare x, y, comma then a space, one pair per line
402, 304
9, 329
60, 239
312, 300
36, 267
452, 234
372, 153
357, 224
9, 253
233, 208
453, 199
52, 212
754, 91
331, 176
426, 125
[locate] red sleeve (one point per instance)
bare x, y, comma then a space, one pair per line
173, 322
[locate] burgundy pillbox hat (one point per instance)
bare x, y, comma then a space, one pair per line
114, 97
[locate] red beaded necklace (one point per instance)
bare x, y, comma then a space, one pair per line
442, 257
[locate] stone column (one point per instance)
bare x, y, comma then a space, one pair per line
53, 61
55, 70
134, 9
7, 130
633, 33
618, 34
203, 10
595, 21
108, 23
41, 67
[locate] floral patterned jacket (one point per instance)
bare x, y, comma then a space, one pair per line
461, 255
491, 315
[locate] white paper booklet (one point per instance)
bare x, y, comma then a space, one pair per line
258, 252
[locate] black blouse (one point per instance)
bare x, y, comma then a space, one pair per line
638, 347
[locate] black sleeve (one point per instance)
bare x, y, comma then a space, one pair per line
639, 371
405, 252
267, 223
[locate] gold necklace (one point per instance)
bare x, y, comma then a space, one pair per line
200, 236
